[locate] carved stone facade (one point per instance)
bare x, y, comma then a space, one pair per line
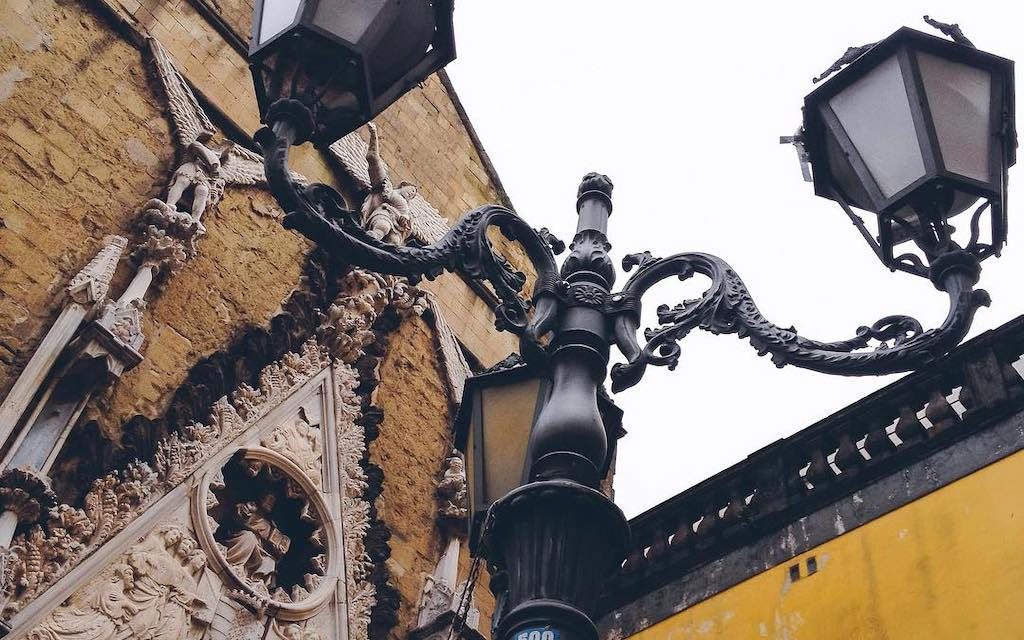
160, 332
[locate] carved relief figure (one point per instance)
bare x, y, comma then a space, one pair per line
199, 172
256, 543
386, 211
299, 441
265, 528
151, 593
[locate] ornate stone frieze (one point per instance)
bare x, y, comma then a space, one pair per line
347, 328
269, 532
47, 551
151, 592
68, 535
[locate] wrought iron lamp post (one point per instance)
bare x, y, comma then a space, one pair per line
555, 536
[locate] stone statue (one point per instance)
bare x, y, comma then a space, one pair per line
386, 211
451, 490
256, 544
205, 168
200, 172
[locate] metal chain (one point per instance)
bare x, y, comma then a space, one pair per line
459, 622
466, 597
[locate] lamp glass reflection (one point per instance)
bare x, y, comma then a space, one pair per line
960, 99
875, 113
277, 16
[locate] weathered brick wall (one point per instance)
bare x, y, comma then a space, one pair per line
413, 443
80, 168
236, 14
83, 143
247, 264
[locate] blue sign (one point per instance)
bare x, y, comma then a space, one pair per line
539, 633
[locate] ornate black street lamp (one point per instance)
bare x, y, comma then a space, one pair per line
552, 539
916, 130
496, 418
344, 61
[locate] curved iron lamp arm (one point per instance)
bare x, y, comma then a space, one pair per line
318, 212
728, 307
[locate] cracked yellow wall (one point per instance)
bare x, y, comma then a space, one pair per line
946, 566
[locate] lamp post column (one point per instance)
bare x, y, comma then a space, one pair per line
557, 538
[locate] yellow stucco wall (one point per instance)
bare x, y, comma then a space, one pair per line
947, 566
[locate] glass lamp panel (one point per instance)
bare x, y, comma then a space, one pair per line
875, 112
508, 413
960, 99
844, 176
277, 16
350, 19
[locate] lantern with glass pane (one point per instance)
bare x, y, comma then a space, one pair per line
493, 428
917, 130
346, 60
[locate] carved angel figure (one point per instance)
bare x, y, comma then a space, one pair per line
256, 544
386, 212
206, 168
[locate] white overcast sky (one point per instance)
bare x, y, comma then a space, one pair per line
682, 104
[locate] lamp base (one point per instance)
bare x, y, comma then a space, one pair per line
557, 541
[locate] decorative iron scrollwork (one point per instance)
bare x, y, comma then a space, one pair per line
728, 307
318, 212
900, 342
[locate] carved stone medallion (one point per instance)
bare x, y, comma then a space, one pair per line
269, 533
